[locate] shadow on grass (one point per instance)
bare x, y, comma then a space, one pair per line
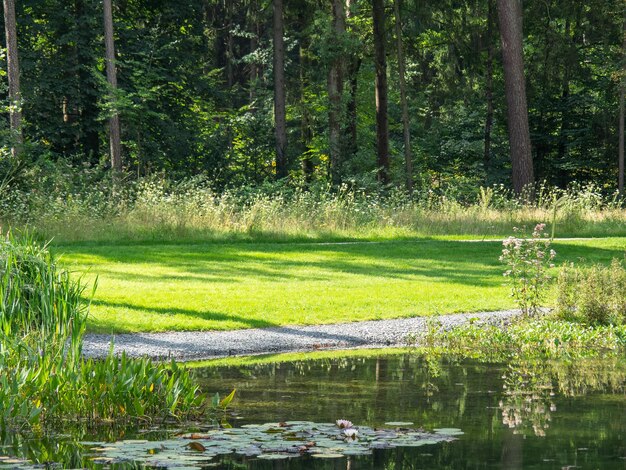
208, 315
245, 323
474, 264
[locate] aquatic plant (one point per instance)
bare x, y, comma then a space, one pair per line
270, 441
343, 423
43, 377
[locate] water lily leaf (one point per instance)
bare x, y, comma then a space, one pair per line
273, 456
449, 431
328, 456
399, 423
357, 451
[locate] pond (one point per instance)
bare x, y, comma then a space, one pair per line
522, 415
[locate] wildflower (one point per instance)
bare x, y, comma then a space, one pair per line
343, 424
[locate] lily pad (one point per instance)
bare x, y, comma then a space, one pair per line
399, 423
273, 456
268, 441
449, 431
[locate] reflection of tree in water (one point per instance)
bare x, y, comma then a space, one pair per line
530, 387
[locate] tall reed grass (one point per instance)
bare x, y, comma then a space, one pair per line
158, 209
44, 379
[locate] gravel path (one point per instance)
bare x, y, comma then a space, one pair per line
195, 345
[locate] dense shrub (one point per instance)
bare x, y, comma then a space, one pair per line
595, 295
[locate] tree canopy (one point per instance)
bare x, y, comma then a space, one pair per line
196, 89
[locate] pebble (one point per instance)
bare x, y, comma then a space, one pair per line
198, 345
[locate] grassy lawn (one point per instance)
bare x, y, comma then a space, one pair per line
219, 286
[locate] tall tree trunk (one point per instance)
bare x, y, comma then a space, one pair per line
352, 73
569, 62
114, 121
510, 19
279, 91
230, 46
335, 91
408, 158
254, 44
489, 90
622, 92
13, 72
306, 135
380, 62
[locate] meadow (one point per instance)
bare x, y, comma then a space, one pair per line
221, 286
184, 256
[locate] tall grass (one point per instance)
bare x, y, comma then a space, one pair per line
43, 377
594, 295
36, 297
158, 209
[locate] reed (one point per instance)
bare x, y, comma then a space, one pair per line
44, 380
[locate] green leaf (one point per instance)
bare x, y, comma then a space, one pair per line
226, 401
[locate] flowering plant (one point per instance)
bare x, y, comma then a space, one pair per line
528, 260
343, 423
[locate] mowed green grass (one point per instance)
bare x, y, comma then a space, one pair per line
221, 286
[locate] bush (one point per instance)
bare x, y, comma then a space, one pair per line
595, 296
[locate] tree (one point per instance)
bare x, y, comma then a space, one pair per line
622, 92
408, 158
13, 72
279, 91
114, 120
352, 77
335, 88
380, 64
510, 19
489, 89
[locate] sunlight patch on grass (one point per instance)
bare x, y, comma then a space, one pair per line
216, 286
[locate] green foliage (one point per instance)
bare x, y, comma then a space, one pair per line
44, 380
593, 295
535, 338
37, 297
195, 89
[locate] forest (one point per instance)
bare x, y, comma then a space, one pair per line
420, 95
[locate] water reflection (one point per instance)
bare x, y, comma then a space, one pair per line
520, 415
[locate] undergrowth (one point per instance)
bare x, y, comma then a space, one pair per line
79, 208
593, 295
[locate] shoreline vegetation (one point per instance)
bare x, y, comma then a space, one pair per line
45, 382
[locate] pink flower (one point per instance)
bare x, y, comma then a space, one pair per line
343, 423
